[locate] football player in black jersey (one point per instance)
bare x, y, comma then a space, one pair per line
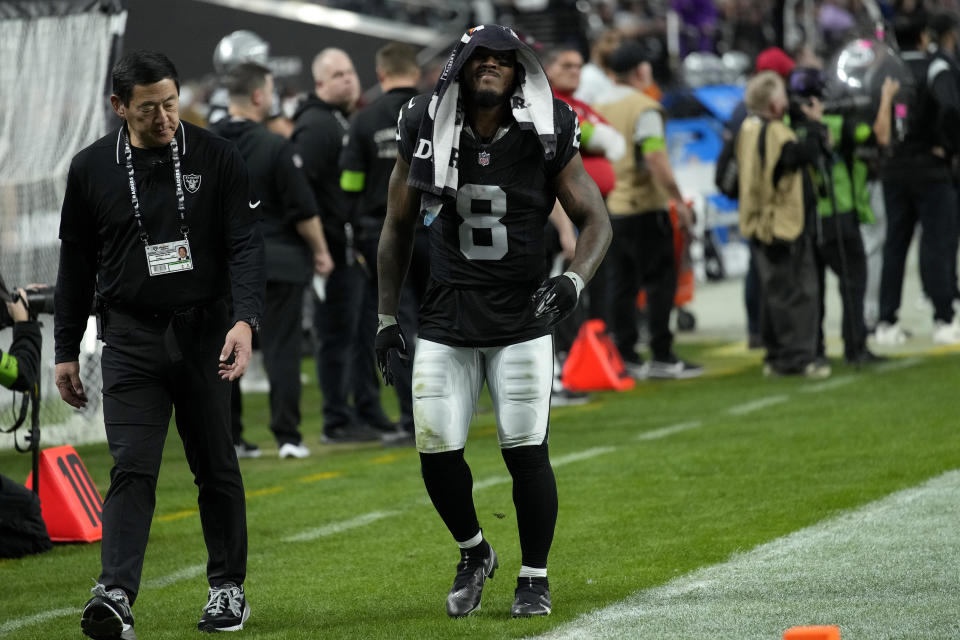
486, 315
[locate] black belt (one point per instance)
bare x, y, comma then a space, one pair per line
170, 323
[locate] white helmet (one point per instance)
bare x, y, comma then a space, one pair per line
239, 47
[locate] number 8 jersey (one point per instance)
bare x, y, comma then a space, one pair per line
487, 245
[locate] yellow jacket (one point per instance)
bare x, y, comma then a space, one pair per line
768, 211
634, 191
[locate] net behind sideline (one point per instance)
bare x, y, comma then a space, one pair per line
54, 71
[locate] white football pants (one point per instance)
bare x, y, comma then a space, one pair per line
447, 382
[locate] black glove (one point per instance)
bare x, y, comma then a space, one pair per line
390, 337
556, 299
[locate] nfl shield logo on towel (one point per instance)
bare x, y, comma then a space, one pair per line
483, 158
191, 181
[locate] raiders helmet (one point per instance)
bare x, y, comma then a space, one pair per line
855, 74
239, 47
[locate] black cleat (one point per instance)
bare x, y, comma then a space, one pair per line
348, 433
865, 357
472, 571
532, 598
107, 615
226, 609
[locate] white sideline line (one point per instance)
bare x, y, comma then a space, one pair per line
756, 405
828, 385
559, 461
19, 623
884, 570
577, 456
187, 573
669, 431
492, 481
338, 527
896, 365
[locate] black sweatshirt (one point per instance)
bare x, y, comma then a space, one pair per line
100, 238
319, 132
278, 181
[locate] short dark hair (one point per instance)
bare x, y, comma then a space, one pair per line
141, 67
942, 23
909, 30
246, 78
397, 59
627, 57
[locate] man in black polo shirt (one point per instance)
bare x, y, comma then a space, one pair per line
133, 198
293, 238
320, 128
367, 159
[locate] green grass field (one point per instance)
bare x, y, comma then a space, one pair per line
654, 484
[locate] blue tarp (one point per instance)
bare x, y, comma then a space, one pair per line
720, 100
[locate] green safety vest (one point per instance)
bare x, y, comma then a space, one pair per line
849, 172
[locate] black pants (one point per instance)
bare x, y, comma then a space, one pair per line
790, 296
280, 341
934, 205
752, 298
342, 367
414, 287
841, 249
641, 255
151, 367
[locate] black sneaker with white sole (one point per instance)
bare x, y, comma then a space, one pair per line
532, 598
472, 571
673, 369
107, 615
227, 609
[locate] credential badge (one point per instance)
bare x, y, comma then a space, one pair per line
191, 182
483, 158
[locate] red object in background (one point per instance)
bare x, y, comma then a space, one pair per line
681, 257
594, 364
596, 165
69, 501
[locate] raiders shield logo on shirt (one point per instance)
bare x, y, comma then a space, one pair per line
191, 182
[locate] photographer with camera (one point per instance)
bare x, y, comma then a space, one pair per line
20, 363
772, 162
841, 199
22, 530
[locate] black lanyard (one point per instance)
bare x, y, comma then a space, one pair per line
135, 201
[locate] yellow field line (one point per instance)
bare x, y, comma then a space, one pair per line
326, 475
177, 515
264, 492
388, 458
186, 513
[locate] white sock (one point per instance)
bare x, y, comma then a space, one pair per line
472, 542
530, 572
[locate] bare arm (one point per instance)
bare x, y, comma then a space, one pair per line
580, 198
396, 238
565, 230
659, 164
312, 233
881, 125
